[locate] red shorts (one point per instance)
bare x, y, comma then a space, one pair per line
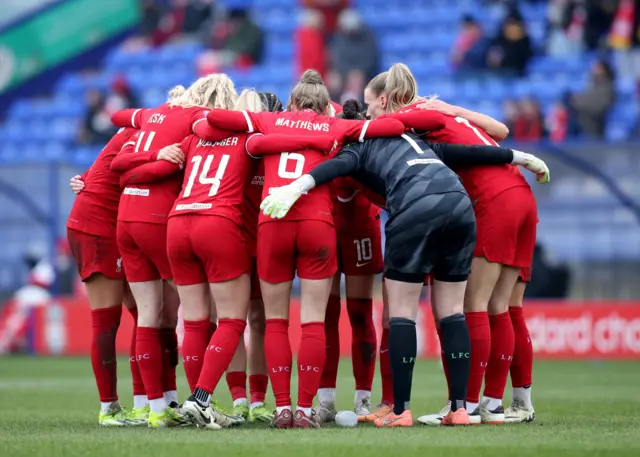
507, 228
256, 293
360, 250
143, 247
95, 254
525, 274
206, 249
308, 247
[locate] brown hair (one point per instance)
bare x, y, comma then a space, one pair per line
398, 84
310, 93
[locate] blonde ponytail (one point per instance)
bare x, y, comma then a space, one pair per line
401, 87
175, 93
212, 91
249, 100
310, 93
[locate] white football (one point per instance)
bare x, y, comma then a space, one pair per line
346, 419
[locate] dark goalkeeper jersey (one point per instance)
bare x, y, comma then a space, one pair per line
406, 168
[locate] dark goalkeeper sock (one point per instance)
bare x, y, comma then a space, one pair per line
456, 345
403, 345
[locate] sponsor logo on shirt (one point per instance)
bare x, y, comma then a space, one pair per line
257, 181
136, 192
194, 206
422, 162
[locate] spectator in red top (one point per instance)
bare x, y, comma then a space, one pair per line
529, 124
310, 51
330, 10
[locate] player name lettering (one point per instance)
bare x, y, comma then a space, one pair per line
317, 127
156, 119
194, 206
231, 141
134, 191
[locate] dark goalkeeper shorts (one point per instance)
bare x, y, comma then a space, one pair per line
436, 235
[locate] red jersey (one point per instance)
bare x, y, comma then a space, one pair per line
282, 169
252, 200
95, 210
216, 174
352, 209
159, 127
481, 182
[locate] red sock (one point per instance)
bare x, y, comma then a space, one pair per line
149, 355
385, 369
237, 382
212, 329
522, 363
502, 346
332, 336
169, 344
277, 351
311, 359
480, 334
445, 367
105, 323
258, 387
220, 351
194, 345
363, 341
138, 385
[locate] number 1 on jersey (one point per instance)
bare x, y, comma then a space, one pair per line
488, 142
147, 144
203, 179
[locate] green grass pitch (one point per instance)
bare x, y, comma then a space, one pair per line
48, 407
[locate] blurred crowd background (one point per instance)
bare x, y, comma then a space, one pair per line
564, 75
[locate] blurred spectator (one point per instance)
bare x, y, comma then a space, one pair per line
121, 96
310, 43
511, 114
511, 50
196, 13
529, 122
470, 48
354, 86
330, 10
593, 104
151, 14
599, 17
625, 37
354, 47
566, 28
97, 127
240, 38
558, 122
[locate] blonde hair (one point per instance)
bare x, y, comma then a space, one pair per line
175, 93
212, 91
310, 93
398, 84
249, 100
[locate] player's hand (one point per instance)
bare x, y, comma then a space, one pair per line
280, 200
537, 166
171, 153
437, 105
76, 184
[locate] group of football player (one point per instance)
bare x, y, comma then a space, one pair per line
169, 215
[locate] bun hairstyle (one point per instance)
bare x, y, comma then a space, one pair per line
271, 102
310, 93
352, 109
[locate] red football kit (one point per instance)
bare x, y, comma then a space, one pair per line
504, 204
91, 227
305, 240
144, 208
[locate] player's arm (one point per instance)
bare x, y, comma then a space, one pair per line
206, 131
361, 130
128, 159
238, 121
258, 145
149, 172
128, 118
424, 120
496, 129
456, 155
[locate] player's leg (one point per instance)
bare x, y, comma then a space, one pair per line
236, 378
326, 409
140, 411
276, 269
316, 265
227, 268
258, 377
521, 409
169, 342
97, 262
